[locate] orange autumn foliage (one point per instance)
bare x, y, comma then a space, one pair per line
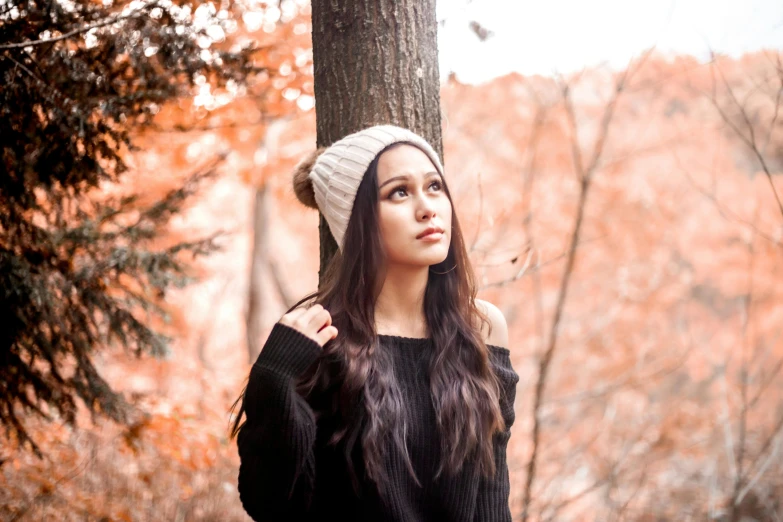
665, 385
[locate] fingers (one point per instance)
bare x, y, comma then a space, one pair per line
327, 319
296, 313
315, 317
327, 334
314, 322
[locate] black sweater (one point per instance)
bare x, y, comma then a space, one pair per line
285, 460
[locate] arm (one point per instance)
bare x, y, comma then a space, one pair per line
493, 494
277, 465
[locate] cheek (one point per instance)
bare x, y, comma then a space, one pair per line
445, 213
392, 227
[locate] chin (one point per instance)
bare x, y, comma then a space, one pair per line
422, 261
416, 256
436, 258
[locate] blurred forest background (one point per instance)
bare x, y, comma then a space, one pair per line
628, 224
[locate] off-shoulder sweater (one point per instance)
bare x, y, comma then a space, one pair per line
288, 472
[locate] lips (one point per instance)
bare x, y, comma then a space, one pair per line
428, 231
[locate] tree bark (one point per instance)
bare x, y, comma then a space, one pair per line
375, 62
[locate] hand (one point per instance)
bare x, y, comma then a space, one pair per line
314, 322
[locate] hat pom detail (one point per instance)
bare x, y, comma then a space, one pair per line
303, 185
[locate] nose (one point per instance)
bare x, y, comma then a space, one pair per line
425, 211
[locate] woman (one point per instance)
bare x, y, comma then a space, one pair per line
388, 394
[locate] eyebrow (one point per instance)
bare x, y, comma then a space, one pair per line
406, 177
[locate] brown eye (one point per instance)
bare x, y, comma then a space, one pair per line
395, 191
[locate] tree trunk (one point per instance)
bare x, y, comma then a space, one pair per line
375, 61
280, 283
258, 263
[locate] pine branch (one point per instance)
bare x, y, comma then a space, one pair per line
133, 14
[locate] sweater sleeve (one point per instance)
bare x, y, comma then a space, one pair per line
276, 442
492, 503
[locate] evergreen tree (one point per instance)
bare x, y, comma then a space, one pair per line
78, 272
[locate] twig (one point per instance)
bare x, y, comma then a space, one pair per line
626, 381
480, 213
525, 269
585, 174
726, 213
743, 420
775, 432
80, 30
750, 141
69, 102
762, 468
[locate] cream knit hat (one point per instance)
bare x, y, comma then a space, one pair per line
329, 178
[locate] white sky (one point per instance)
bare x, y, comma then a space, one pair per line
544, 36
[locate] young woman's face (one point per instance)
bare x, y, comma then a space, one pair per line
412, 198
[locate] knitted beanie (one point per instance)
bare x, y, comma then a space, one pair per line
329, 178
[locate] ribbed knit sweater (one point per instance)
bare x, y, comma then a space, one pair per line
289, 473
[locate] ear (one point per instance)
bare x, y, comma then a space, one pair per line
499, 334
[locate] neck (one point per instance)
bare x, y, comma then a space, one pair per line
399, 308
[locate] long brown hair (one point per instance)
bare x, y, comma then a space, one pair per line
364, 397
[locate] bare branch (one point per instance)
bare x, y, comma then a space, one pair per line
585, 173
775, 432
480, 214
113, 20
722, 210
627, 381
749, 141
743, 420
764, 465
528, 251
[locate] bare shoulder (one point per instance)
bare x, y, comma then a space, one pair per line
499, 334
